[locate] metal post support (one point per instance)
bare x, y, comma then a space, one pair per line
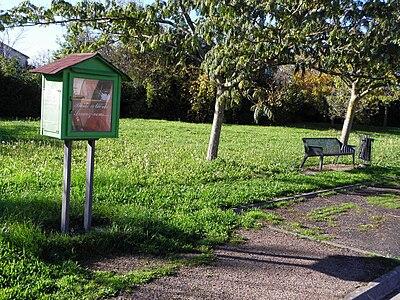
89, 184
66, 186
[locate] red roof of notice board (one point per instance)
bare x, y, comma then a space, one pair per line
72, 60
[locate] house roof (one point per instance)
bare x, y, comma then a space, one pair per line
72, 60
5, 45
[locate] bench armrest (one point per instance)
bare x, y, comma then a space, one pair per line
348, 149
351, 146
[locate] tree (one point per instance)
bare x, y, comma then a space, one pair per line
337, 101
360, 43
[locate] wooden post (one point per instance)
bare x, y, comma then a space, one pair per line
89, 184
66, 186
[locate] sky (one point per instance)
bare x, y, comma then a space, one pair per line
34, 41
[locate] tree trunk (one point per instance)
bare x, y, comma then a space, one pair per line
213, 144
351, 109
385, 116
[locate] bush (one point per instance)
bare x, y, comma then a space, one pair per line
133, 100
20, 91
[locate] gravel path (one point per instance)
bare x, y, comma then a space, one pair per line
270, 265
367, 227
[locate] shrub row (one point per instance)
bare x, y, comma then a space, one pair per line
20, 98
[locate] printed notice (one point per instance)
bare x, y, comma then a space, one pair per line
51, 102
92, 105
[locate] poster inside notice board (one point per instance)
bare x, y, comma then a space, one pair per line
92, 105
51, 102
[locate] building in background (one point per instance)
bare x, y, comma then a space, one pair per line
10, 52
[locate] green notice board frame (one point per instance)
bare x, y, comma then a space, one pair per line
115, 106
63, 107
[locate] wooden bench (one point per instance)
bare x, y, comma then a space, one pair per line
326, 147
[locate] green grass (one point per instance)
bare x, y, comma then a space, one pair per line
255, 218
24, 276
390, 201
330, 213
154, 193
313, 232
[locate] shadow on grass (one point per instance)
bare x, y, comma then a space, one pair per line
19, 132
378, 175
155, 237
42, 212
25, 133
374, 176
33, 225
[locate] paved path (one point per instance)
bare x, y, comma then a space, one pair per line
270, 265
368, 227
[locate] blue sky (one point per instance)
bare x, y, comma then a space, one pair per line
34, 41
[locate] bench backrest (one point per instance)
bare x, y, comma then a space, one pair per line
328, 145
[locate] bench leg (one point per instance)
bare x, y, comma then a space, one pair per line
304, 161
321, 162
354, 159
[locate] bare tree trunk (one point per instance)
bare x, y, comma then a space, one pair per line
385, 117
351, 109
213, 144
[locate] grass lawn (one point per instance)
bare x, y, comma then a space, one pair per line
154, 193
388, 201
